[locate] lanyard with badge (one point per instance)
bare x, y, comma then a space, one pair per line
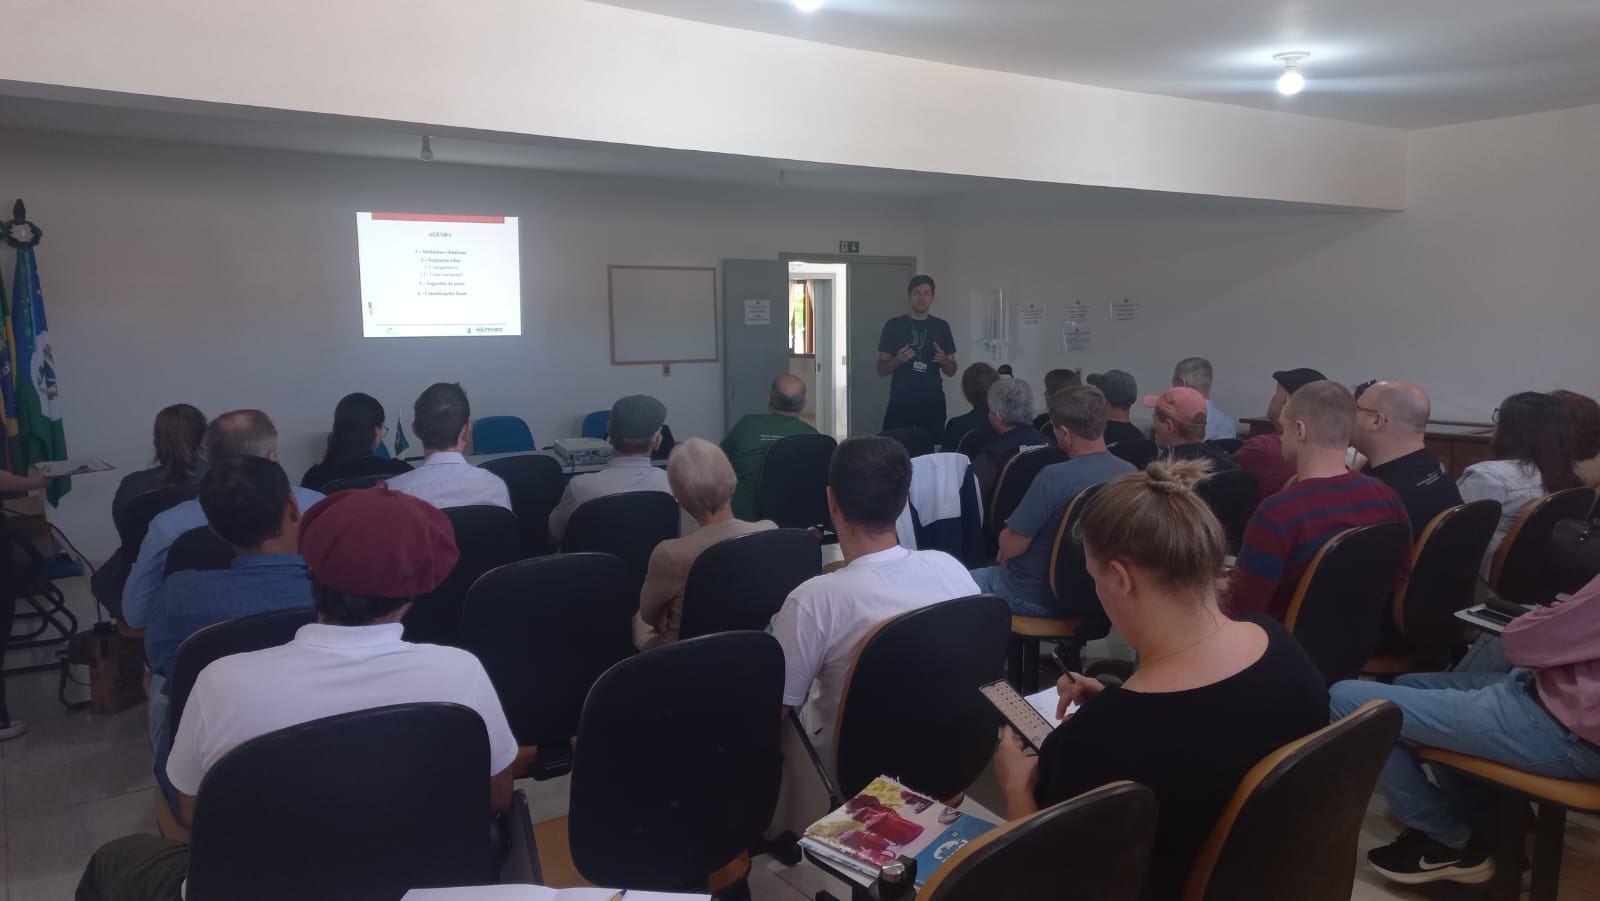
918, 339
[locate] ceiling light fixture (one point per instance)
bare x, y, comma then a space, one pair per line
1291, 82
427, 150
808, 6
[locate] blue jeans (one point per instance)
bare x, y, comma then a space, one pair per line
996, 581
1488, 715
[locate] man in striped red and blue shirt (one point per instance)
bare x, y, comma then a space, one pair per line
1322, 500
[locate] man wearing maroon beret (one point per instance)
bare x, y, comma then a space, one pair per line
370, 553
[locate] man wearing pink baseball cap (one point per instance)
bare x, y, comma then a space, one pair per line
1180, 428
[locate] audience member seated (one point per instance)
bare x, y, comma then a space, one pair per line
750, 437
824, 620
1540, 717
703, 482
634, 431
1391, 418
1179, 428
247, 501
1156, 554
370, 553
975, 383
1056, 380
1263, 454
1011, 418
358, 430
1195, 372
239, 433
1022, 577
1323, 500
442, 420
1584, 414
1534, 455
179, 430
1122, 392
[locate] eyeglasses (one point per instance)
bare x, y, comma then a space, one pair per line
383, 431
1377, 413
1495, 416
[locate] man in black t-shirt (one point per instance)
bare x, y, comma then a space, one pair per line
1121, 392
916, 350
1390, 420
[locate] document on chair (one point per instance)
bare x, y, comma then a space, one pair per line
540, 893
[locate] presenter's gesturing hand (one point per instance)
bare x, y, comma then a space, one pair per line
945, 362
904, 354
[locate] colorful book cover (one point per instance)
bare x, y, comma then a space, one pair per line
888, 820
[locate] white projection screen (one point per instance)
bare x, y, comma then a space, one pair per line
429, 275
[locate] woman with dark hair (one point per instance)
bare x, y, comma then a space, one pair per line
1584, 414
177, 435
1533, 456
358, 430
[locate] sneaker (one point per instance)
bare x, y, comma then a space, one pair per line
10, 729
1414, 858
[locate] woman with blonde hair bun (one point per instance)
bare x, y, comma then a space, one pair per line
1211, 696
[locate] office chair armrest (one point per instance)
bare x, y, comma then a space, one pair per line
521, 866
835, 797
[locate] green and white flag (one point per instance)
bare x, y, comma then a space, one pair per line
40, 435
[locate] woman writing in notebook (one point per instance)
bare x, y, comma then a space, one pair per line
1211, 697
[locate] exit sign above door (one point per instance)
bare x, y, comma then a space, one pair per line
849, 246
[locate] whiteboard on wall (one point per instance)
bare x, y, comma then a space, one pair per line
663, 314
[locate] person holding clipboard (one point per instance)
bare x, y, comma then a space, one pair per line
916, 351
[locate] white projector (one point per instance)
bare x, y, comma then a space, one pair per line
583, 451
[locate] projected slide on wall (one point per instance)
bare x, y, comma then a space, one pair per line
428, 275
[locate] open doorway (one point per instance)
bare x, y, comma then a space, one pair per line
818, 305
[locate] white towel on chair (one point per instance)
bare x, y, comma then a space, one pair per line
936, 481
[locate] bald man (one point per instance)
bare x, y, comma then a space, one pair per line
746, 445
1390, 420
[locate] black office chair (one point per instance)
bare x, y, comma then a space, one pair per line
914, 687
1291, 829
678, 765
1232, 498
1524, 570
1074, 589
354, 483
1337, 608
535, 483
627, 526
545, 629
235, 636
198, 548
363, 806
144, 508
792, 491
486, 537
975, 440
917, 442
1421, 627
1097, 844
1139, 453
740, 583
1011, 485
1226, 445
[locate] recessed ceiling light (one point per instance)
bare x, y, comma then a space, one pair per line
1291, 82
808, 6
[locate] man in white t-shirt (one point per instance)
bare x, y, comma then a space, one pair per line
369, 553
823, 620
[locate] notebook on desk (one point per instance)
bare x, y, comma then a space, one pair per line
885, 821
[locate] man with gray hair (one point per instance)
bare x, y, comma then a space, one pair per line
240, 433
1195, 372
1390, 420
634, 432
1011, 417
747, 443
1022, 577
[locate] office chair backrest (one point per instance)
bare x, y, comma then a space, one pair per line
1140, 453
1523, 570
973, 440
235, 636
1337, 610
1096, 845
1291, 829
1070, 581
1444, 573
594, 424
487, 536
677, 762
1226, 445
627, 526
545, 629
354, 483
502, 435
1013, 482
911, 706
363, 806
198, 548
917, 442
740, 583
1232, 498
535, 483
142, 509
793, 488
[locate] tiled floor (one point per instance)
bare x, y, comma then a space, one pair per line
77, 780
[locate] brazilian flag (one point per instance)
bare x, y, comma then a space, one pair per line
39, 435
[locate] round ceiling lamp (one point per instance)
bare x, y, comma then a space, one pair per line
1291, 82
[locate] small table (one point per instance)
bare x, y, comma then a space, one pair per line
570, 469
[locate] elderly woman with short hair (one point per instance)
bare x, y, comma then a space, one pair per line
702, 480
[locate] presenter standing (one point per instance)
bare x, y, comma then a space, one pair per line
916, 350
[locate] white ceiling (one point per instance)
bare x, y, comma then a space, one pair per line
1401, 63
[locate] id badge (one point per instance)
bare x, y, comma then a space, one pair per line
919, 366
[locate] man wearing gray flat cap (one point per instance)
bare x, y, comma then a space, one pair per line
634, 433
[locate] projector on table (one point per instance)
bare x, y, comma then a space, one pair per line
583, 451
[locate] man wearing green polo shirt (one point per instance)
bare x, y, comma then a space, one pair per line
746, 445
